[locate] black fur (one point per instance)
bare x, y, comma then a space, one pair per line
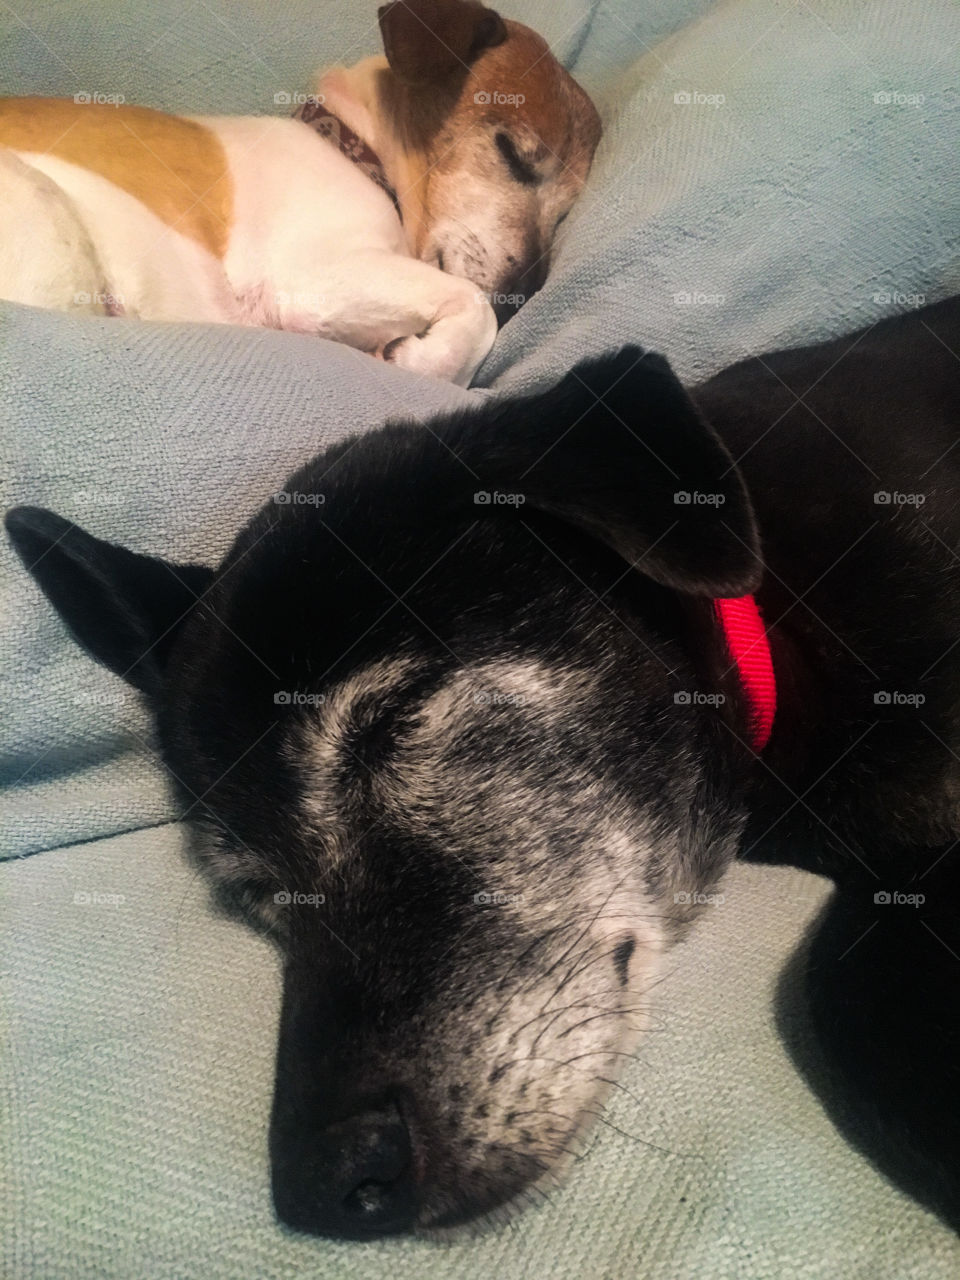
864, 597
599, 569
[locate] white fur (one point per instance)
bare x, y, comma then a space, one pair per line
314, 246
149, 269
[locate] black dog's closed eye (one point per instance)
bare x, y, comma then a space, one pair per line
520, 170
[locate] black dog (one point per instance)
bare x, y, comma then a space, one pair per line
473, 743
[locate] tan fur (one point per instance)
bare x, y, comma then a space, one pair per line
429, 132
555, 106
175, 167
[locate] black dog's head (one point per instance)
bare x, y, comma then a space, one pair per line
426, 717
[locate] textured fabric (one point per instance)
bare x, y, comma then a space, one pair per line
801, 187
136, 1097
226, 57
140, 1033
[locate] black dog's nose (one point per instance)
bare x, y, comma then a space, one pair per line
352, 1180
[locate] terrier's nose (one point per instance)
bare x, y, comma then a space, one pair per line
511, 296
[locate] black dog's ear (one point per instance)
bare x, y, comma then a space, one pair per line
618, 449
123, 608
427, 40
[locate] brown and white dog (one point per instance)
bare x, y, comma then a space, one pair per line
478, 140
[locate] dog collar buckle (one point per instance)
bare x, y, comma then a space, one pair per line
313, 113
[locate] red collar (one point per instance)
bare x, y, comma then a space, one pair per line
331, 127
749, 647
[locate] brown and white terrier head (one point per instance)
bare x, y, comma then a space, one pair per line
486, 138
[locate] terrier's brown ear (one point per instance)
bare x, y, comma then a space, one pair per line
427, 40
